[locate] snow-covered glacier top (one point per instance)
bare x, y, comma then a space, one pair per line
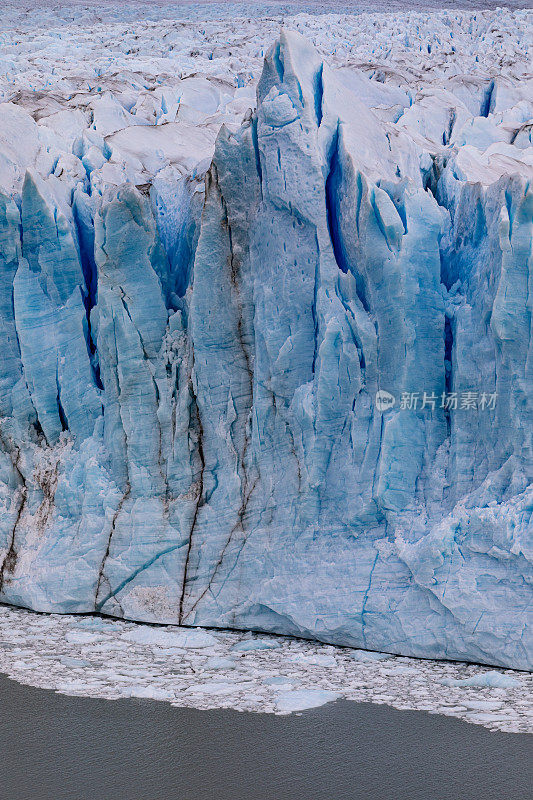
96, 79
29, 14
265, 311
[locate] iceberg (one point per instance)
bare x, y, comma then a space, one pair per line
294, 397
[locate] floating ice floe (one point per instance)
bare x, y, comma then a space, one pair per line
493, 679
193, 638
300, 699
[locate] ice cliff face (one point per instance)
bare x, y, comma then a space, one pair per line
309, 412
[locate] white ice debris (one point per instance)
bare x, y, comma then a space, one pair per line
255, 644
492, 679
99, 657
300, 699
184, 637
368, 655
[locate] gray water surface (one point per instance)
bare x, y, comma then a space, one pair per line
55, 747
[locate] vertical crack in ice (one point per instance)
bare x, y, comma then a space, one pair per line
447, 134
365, 598
147, 359
101, 574
478, 621
199, 497
333, 193
487, 100
319, 94
314, 310
60, 410
255, 143
122, 501
448, 365
90, 295
332, 185
10, 559
239, 525
235, 278
278, 62
36, 424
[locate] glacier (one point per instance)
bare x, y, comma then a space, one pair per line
272, 369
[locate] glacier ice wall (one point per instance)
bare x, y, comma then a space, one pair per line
190, 423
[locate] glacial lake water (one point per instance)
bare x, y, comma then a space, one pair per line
56, 747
